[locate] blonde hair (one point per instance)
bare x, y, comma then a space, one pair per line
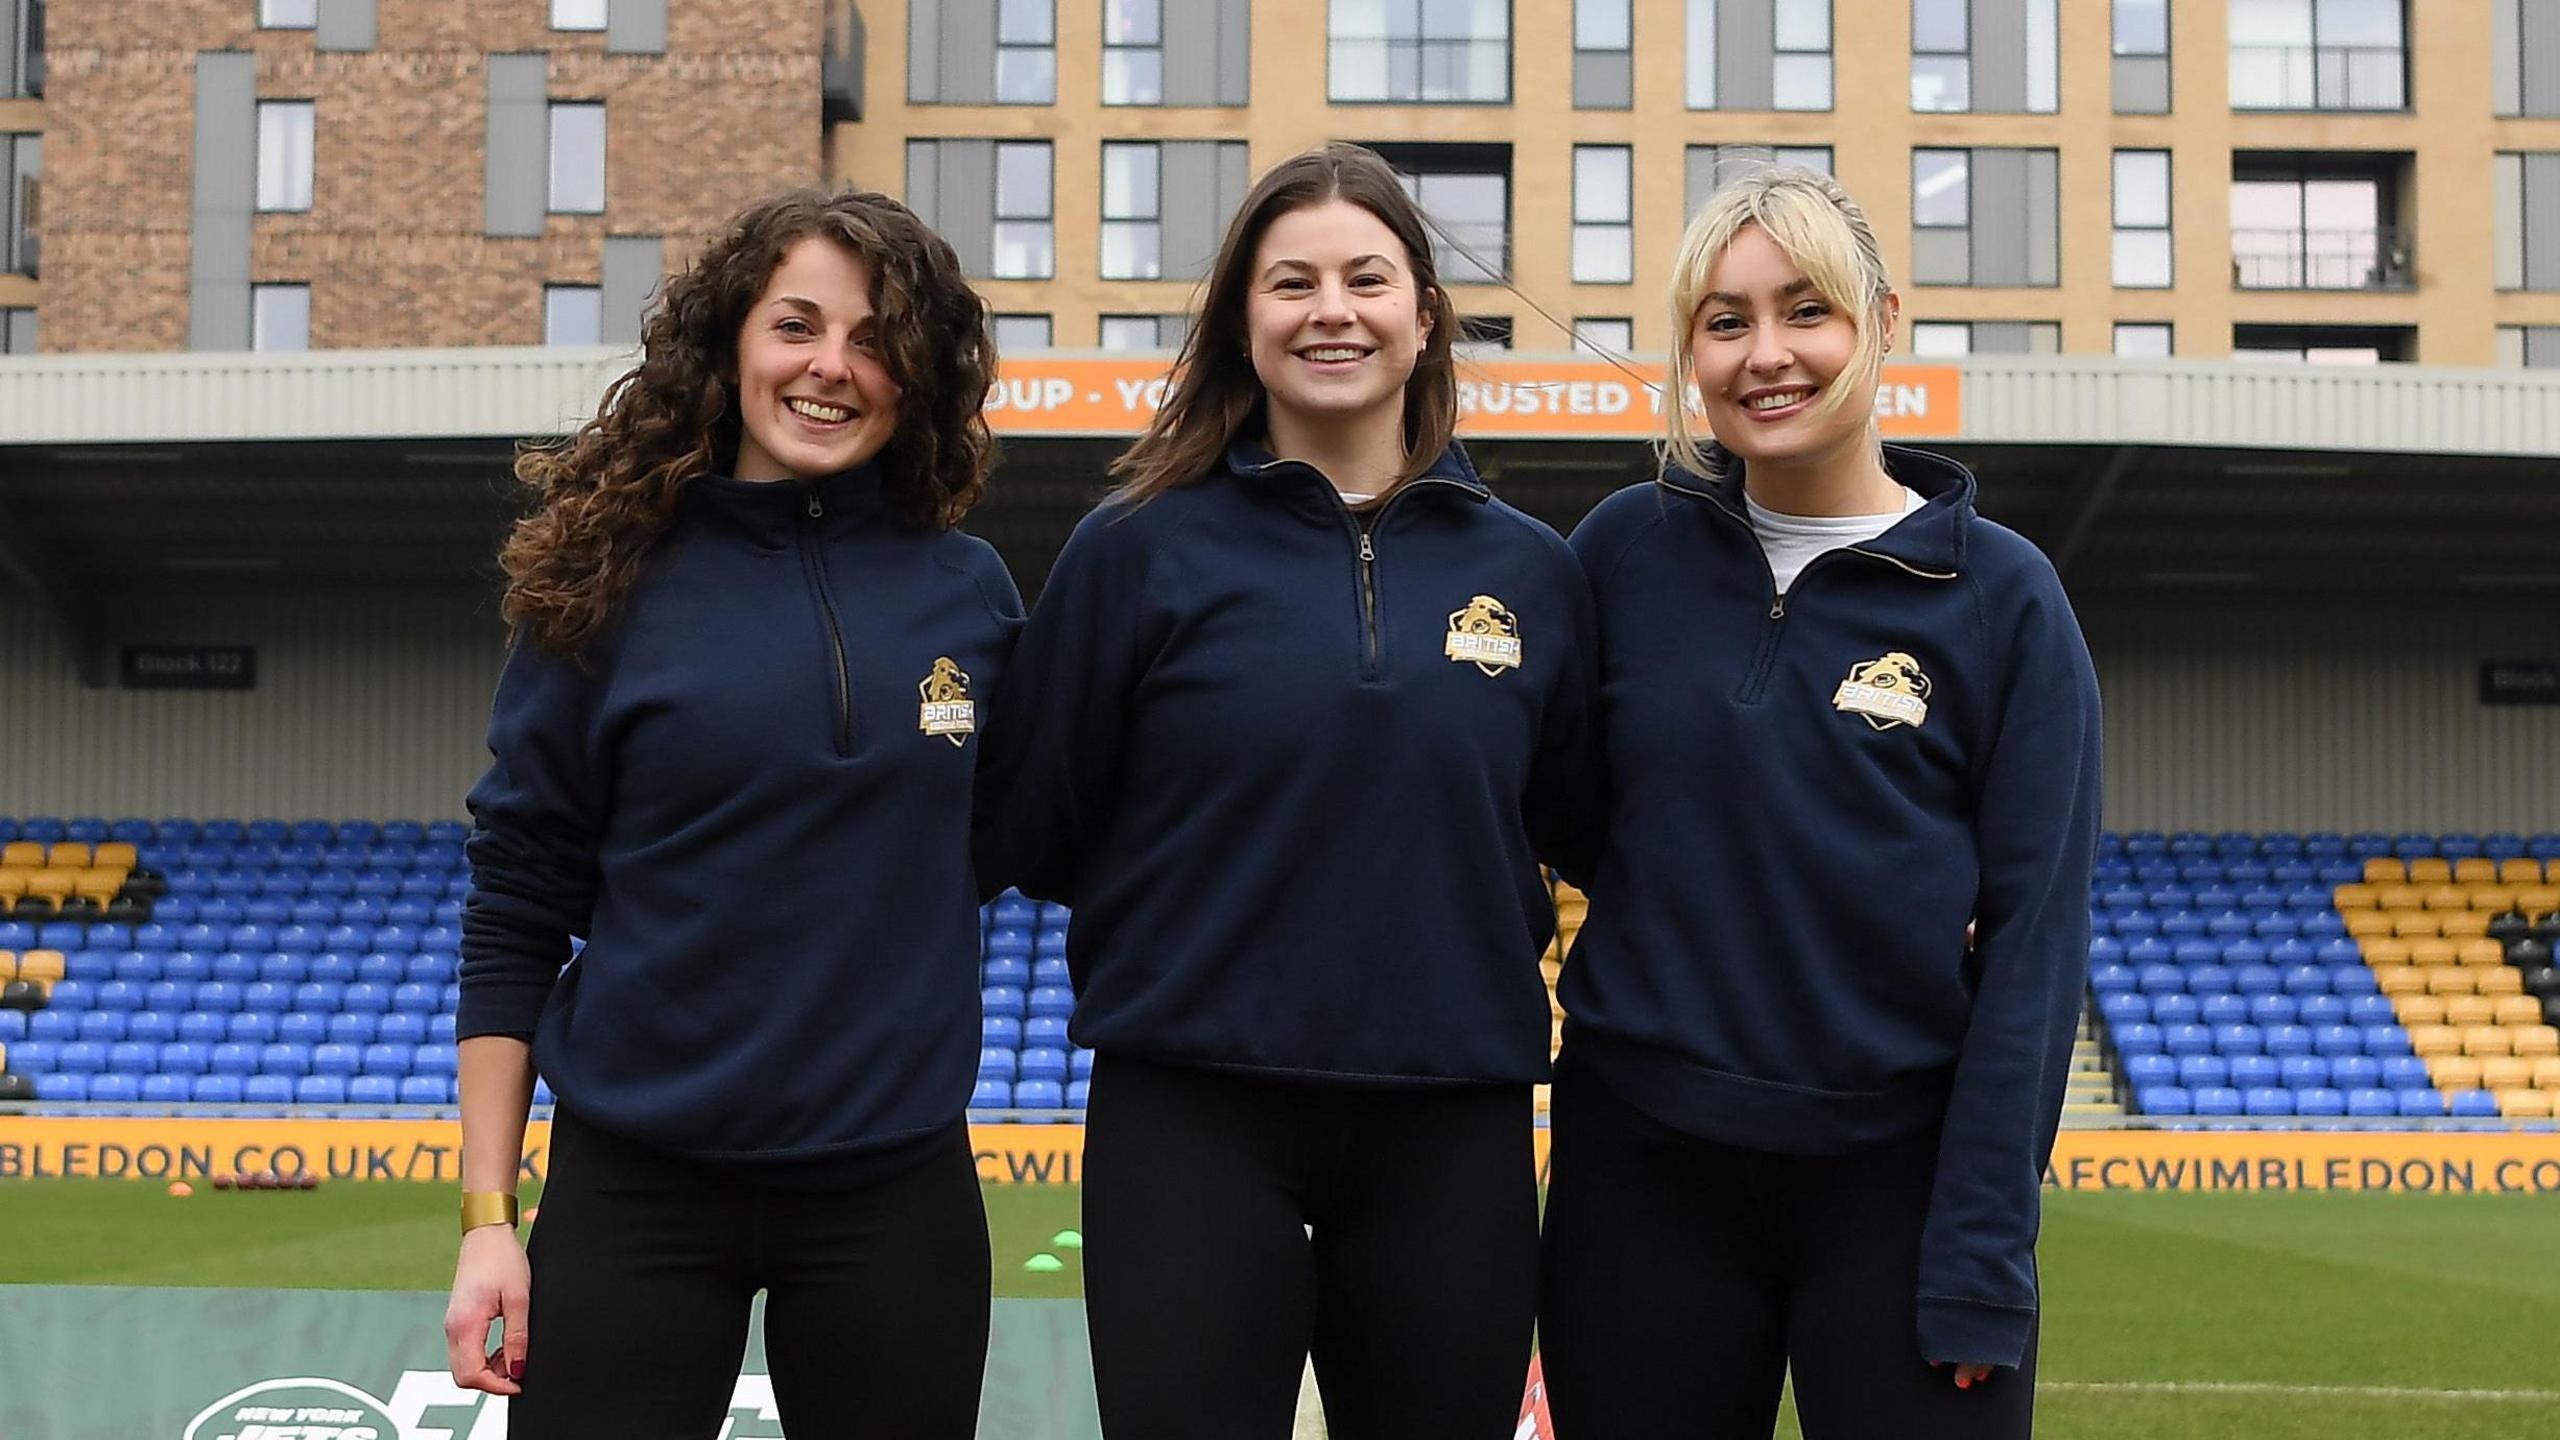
1827, 236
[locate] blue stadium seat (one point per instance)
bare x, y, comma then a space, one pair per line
269, 1089
218, 1090
186, 967
1050, 944
2199, 1071
997, 1063
2302, 1072
406, 1028
1001, 1000
281, 1058
2250, 1072
2320, 1100
2333, 1041
283, 968
13, 1026
430, 968
2323, 1010
181, 1058
2372, 1102
2270, 1011
1009, 941
1039, 1095
1043, 1063
2374, 1009
2224, 1009
1052, 970
353, 1028
2502, 846
542, 1092
2164, 978
2239, 1040
334, 966
55, 1025
2142, 1039
991, 1094
2230, 925
2260, 980
2385, 1041
388, 1059
251, 1027
2269, 1100
102, 1026
2467, 1104
236, 967
2187, 1040
440, 1028
432, 1059
302, 1027
1050, 1030
2175, 1009
217, 996
1078, 1092
63, 1086
151, 1027
2307, 979
166, 1089
320, 1090
2421, 1103
80, 1057
313, 913
264, 997
2166, 1100
371, 999
2283, 1040
2185, 925
129, 1057
2220, 1100
336, 1059
447, 832
2351, 1072
373, 1090
1000, 1031
2353, 981
2404, 1072
2109, 979
1079, 1063
426, 1090
203, 1029
35, 1057
416, 999
395, 939
1006, 970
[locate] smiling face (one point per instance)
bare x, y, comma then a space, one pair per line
814, 396
1766, 348
1333, 318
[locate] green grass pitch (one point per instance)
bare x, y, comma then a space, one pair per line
2271, 1317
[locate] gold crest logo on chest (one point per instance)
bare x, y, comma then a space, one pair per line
1887, 691
1486, 635
947, 710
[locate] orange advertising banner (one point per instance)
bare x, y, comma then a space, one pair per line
1497, 399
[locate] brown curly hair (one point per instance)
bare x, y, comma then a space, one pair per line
608, 492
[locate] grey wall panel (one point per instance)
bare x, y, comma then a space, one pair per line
1603, 80
924, 52
349, 25
13, 19
2044, 217
2539, 38
2542, 220
2002, 337
2001, 219
1187, 168
1942, 257
633, 265
1746, 49
1235, 176
1235, 52
2506, 47
2311, 720
517, 161
959, 189
2542, 345
1999, 56
2506, 188
369, 703
636, 27
968, 52
2142, 85
226, 189
1190, 34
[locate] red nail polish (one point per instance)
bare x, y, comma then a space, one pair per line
1964, 1382
515, 1370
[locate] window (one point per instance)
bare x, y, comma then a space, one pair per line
1025, 242
2318, 55
2141, 57
1026, 52
577, 15
2324, 344
1133, 52
1729, 40
577, 158
288, 14
1945, 339
2311, 222
2144, 340
1132, 229
1465, 195
2534, 346
572, 314
22, 168
279, 317
2526, 210
17, 332
1419, 51
1989, 216
21, 48
284, 154
1712, 167
1482, 334
1603, 54
2142, 249
1143, 332
1613, 336
1017, 333
1604, 247
2525, 79
2021, 76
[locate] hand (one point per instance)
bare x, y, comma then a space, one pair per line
491, 1280
1968, 1376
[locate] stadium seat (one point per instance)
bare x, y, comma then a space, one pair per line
2429, 1041
217, 1090
2465, 1011
2475, 1103
373, 1090
2500, 981
2454, 1072
2416, 1010
2506, 1072
1001, 1000
992, 1093
1009, 971
1039, 1095
2421, 1103
1005, 1031
2165, 1100
2518, 1009
268, 1090
386, 1059
2222, 1101
426, 1090
2451, 980
2197, 1072
320, 1090
2536, 1042
1042, 1063
2528, 1104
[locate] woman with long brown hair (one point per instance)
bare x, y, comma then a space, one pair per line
733, 748
1299, 709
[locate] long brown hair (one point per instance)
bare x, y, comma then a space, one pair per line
1215, 393
609, 491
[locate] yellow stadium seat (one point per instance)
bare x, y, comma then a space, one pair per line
2447, 897
2523, 870
2506, 1072
2482, 951
22, 855
2464, 924
2433, 952
2499, 980
2517, 1009
2450, 980
53, 884
2430, 870
2400, 979
2464, 1011
100, 884
2416, 924
2361, 923
2417, 1010
2538, 901
40, 965
2353, 897
2434, 1040
2474, 871
8, 965
2546, 1072
13, 883
119, 853
68, 855
2385, 870
2493, 899
2526, 1104
2399, 897
2454, 1072
2483, 1041
2535, 1042
2380, 950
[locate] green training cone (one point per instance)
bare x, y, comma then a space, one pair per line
1044, 1263
1067, 1240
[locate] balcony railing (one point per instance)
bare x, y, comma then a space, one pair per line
1421, 71
840, 67
2377, 259
2321, 77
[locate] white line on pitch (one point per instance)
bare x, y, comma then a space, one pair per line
2247, 1387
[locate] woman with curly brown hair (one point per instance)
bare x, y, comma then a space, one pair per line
733, 747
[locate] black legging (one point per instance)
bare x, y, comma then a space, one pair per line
1205, 1294
645, 1264
1683, 1280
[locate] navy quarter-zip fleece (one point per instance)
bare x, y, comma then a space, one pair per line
1811, 796
735, 797
1248, 738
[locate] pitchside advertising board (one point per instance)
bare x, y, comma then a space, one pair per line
1497, 399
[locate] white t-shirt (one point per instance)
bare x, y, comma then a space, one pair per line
1793, 541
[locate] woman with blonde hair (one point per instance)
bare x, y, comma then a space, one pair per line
733, 747
1821, 1011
